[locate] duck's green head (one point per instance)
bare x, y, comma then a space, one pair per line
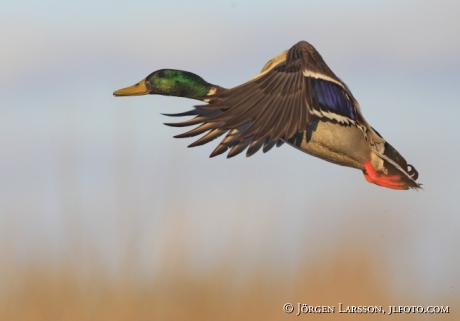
169, 82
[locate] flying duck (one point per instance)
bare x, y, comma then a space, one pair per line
296, 99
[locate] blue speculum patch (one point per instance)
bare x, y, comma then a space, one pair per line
333, 98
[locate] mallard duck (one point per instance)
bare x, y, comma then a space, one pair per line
296, 99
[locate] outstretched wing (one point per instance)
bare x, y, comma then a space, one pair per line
292, 89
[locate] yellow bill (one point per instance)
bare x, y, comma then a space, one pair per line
138, 89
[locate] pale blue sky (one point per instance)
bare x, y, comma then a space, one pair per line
74, 158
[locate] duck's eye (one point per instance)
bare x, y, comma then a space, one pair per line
161, 74
137, 85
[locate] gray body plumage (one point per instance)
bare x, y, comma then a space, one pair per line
342, 145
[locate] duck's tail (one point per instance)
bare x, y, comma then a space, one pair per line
396, 165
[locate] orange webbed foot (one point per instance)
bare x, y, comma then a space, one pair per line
378, 178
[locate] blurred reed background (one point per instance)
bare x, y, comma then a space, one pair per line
104, 216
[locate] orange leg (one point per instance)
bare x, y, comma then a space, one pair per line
376, 177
